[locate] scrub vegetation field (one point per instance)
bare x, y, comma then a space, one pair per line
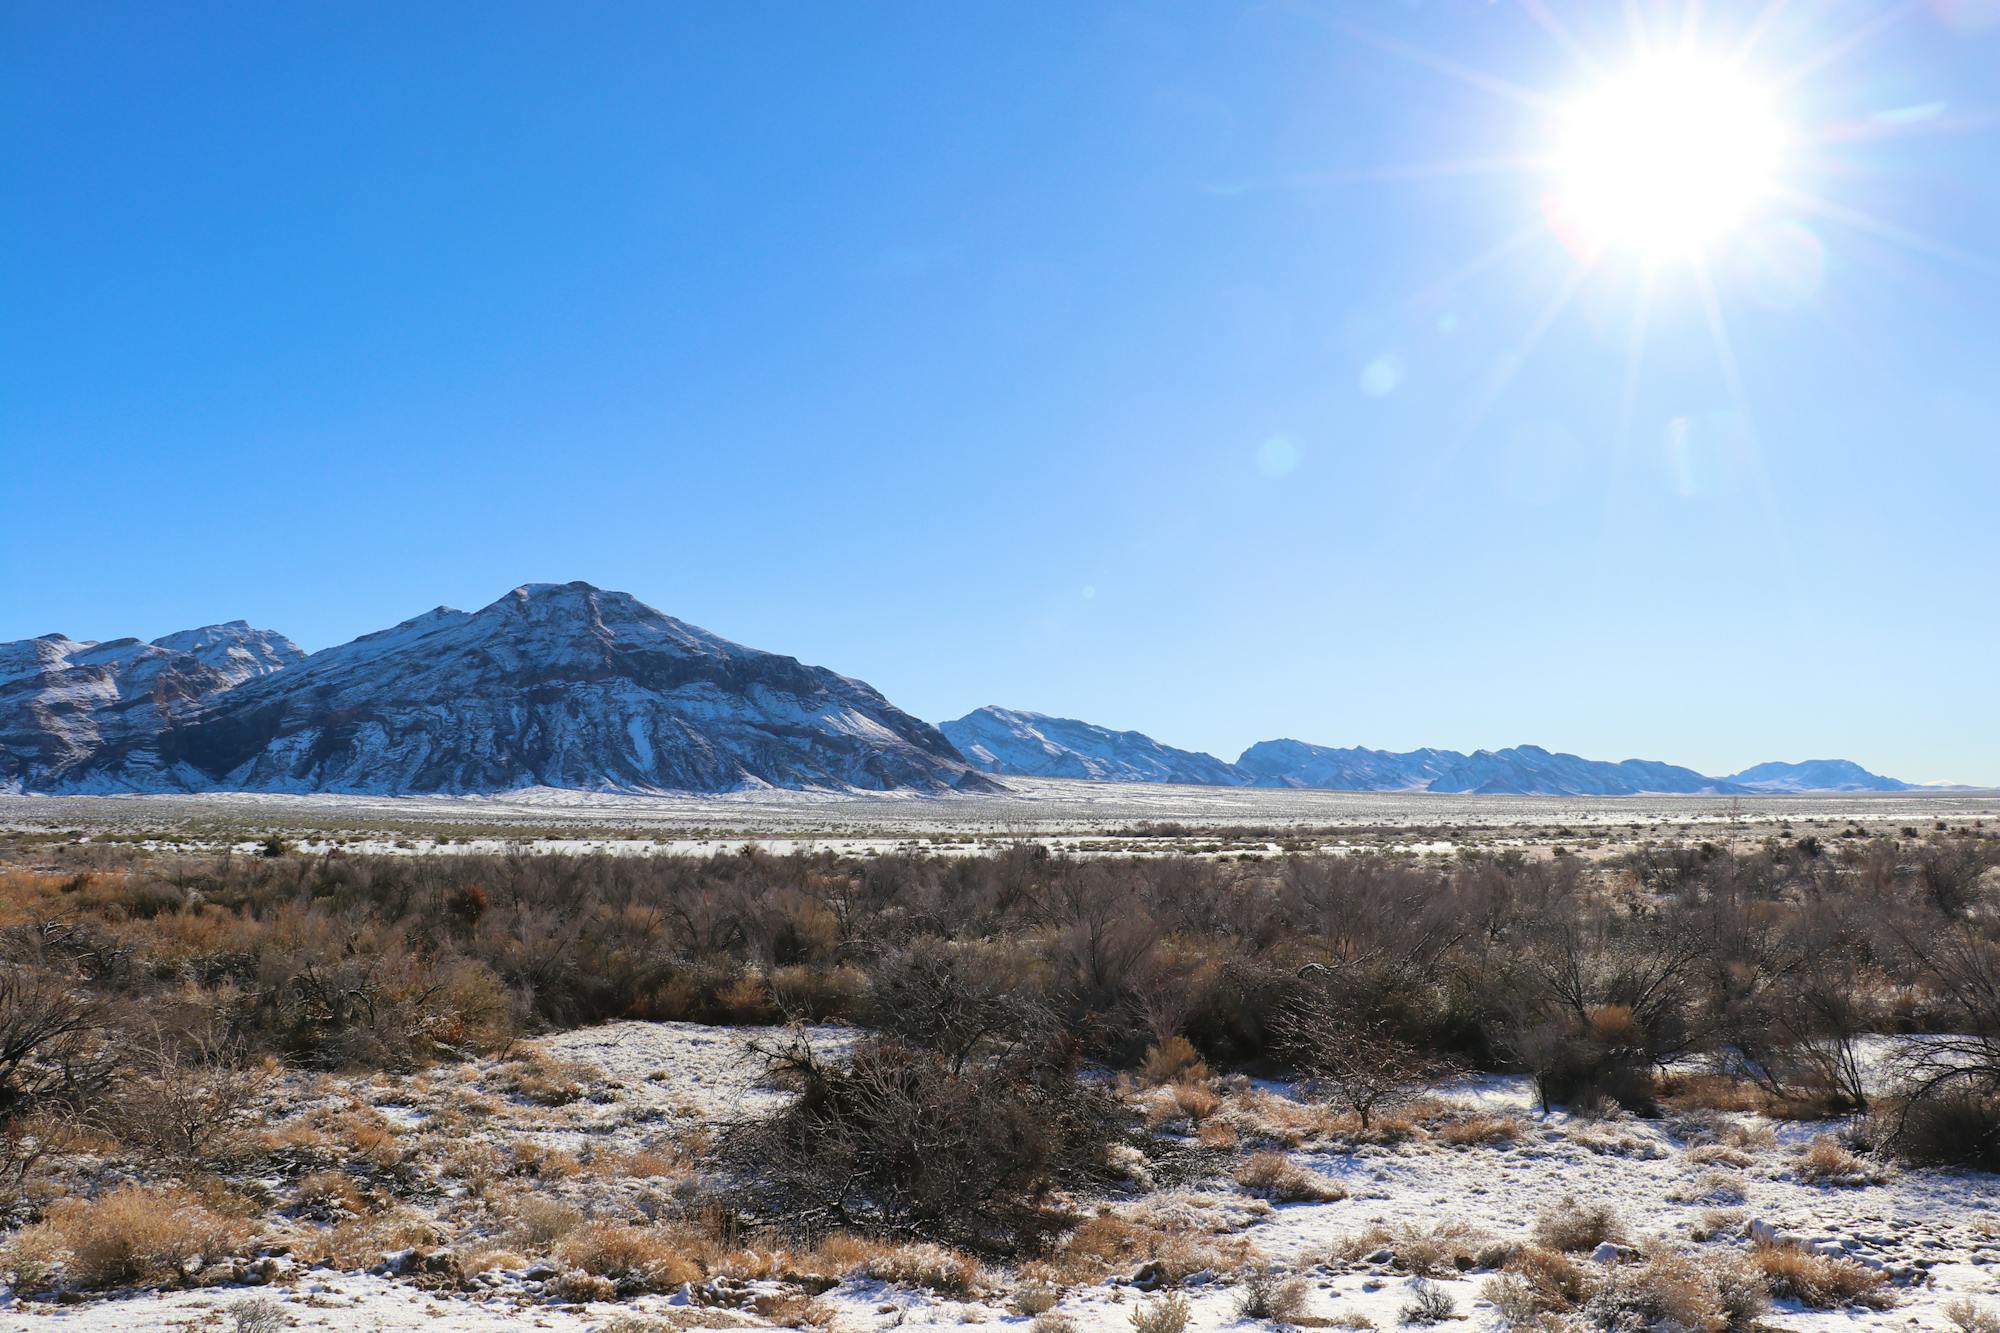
1729, 1075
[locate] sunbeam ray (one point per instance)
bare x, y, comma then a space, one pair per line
1563, 37
1885, 230
1452, 69
1747, 44
1840, 47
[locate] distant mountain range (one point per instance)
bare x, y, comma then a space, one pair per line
566, 685
1009, 742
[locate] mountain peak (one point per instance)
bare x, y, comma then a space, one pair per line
1010, 740
558, 685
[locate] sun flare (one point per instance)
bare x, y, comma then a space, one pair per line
1665, 158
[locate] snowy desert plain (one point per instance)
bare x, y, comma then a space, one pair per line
563, 1180
1071, 815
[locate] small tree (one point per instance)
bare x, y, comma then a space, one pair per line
1353, 1059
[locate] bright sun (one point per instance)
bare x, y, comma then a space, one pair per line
1666, 158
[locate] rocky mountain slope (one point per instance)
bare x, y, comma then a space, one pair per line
1005, 740
63, 702
553, 685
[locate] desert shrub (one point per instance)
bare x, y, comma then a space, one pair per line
1053, 1321
1956, 1127
1968, 1317
1429, 1304
1032, 1298
1352, 1056
1442, 1248
134, 1235
1174, 1060
904, 1140
1667, 1290
1816, 1280
48, 1039
1513, 1300
1165, 1314
1274, 1176
1552, 1280
187, 1103
1271, 1294
257, 1314
1572, 1225
946, 999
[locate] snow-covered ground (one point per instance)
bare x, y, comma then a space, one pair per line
1075, 816
645, 1085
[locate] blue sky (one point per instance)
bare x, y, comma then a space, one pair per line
1115, 361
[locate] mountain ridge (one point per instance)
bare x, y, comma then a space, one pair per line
569, 685
560, 685
1013, 742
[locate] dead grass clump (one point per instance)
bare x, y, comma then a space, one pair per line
1481, 1131
1967, 1317
539, 1222
1668, 1290
1709, 1092
1174, 1060
1444, 1248
360, 1242
1274, 1176
634, 1257
1817, 1281
930, 1267
1196, 1102
1168, 1314
1270, 1294
1717, 1154
133, 1236
1355, 1246
1032, 1298
535, 1077
329, 1194
1711, 1187
1572, 1225
1552, 1278
1107, 1243
1825, 1162
793, 1309
1053, 1321
578, 1287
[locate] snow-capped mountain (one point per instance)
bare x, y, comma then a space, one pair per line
63, 702
1815, 775
1006, 740
553, 685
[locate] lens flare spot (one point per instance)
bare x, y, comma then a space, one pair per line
1278, 456
1382, 376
